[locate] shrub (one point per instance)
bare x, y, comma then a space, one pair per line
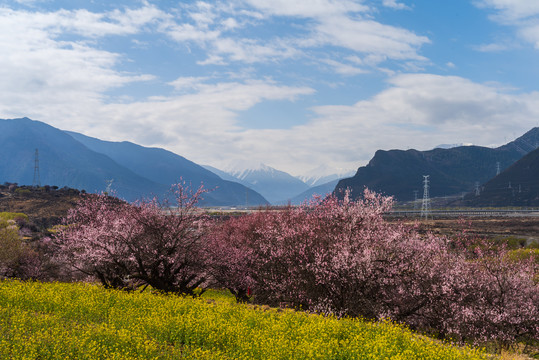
13, 216
17, 258
11, 246
22, 191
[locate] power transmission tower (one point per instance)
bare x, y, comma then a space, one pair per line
497, 168
415, 199
425, 205
37, 181
477, 191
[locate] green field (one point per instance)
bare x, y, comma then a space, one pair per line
81, 321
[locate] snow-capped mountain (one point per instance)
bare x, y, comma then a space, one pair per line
251, 173
450, 146
275, 185
324, 174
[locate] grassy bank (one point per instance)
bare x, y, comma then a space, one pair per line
80, 321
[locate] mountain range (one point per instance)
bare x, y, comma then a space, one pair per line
74, 160
281, 188
278, 187
77, 161
451, 171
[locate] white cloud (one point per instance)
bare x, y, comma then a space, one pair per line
229, 33
307, 8
494, 47
511, 10
230, 23
344, 24
252, 51
188, 82
189, 32
212, 60
345, 69
522, 14
221, 47
42, 73
201, 125
86, 23
370, 37
28, 2
531, 33
37, 62
395, 5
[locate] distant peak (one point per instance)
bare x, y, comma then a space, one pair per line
326, 170
450, 146
243, 165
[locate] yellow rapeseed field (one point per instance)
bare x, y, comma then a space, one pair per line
82, 321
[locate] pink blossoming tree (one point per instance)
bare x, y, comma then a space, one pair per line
127, 245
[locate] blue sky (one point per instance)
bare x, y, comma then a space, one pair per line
292, 84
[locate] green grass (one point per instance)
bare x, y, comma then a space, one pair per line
81, 321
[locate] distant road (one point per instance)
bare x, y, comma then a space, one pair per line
467, 212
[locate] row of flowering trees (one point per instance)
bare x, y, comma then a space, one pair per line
329, 256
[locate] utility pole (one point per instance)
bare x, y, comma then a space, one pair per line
425, 205
37, 181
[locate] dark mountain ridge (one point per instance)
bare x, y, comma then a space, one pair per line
63, 161
451, 171
136, 171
